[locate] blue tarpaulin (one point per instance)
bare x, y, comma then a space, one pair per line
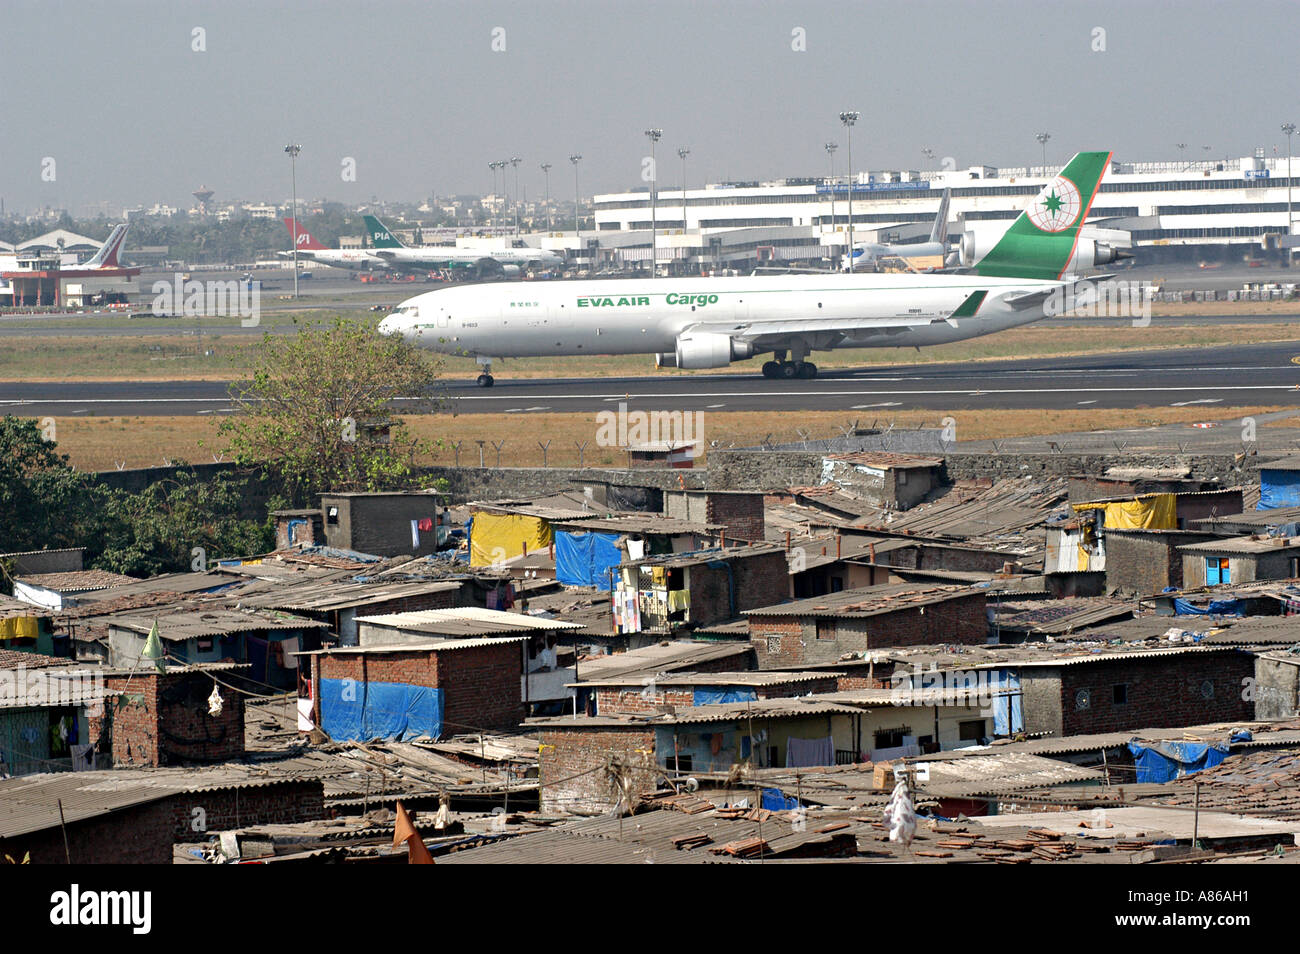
1278, 488
774, 800
1215, 608
711, 694
361, 711
584, 559
1166, 761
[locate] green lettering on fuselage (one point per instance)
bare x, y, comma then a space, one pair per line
612, 302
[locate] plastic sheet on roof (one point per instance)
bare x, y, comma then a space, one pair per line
1278, 488
1166, 761
497, 537
1154, 512
584, 559
360, 711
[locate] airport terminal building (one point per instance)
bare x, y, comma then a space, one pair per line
1176, 211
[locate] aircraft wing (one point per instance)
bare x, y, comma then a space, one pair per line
1035, 299
781, 327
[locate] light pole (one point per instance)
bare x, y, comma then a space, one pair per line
577, 195
683, 152
505, 183
654, 135
1289, 129
848, 118
293, 150
1042, 141
1182, 152
928, 153
495, 166
515, 162
830, 151
546, 171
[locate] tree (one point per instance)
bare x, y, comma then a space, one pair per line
319, 401
44, 501
178, 524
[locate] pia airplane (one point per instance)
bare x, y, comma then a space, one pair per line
711, 322
356, 259
501, 262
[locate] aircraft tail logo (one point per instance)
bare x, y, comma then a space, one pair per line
302, 236
106, 257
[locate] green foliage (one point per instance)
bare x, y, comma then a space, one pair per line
308, 413
44, 502
158, 530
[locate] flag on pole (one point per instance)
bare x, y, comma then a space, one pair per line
153, 648
404, 831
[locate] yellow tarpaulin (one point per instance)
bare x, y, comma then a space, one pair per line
1151, 512
497, 537
19, 627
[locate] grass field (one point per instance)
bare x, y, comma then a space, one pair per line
106, 443
224, 356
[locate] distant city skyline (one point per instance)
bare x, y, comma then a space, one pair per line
142, 102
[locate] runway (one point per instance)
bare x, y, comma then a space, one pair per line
1256, 374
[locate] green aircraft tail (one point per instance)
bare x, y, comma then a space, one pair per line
380, 237
1041, 242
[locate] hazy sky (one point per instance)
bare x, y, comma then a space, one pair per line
416, 94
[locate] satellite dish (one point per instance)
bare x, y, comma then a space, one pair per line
692, 784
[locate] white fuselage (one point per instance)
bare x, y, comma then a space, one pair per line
353, 258
439, 257
644, 316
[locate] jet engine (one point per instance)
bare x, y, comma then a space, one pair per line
1087, 254
705, 349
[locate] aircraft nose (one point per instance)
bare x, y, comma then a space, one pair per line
388, 326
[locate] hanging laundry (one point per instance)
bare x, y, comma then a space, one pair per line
426, 524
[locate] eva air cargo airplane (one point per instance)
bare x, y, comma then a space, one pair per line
711, 322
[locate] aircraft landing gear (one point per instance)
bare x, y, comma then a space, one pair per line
789, 370
486, 380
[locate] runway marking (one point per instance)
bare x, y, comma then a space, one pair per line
1080, 403
861, 393
864, 407
1197, 401
712, 407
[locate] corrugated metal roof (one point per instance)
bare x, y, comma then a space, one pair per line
31, 803
674, 656
431, 645
867, 601
201, 623
72, 581
763, 677
466, 618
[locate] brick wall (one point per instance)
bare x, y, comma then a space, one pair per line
142, 835
617, 701
164, 720
758, 580
1183, 689
788, 642
571, 765
741, 514
482, 686
194, 815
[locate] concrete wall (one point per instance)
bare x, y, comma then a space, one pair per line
1277, 688
1146, 561
1242, 567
